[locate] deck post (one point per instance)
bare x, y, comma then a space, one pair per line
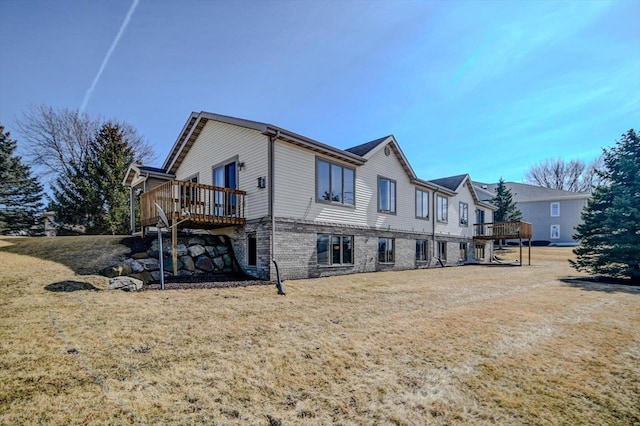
174, 243
520, 251
529, 251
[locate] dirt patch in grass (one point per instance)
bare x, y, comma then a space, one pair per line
470, 345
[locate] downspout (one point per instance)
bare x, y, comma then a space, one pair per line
433, 223
272, 149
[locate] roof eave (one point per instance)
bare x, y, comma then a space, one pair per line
313, 145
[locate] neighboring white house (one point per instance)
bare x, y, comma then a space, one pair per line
554, 213
316, 209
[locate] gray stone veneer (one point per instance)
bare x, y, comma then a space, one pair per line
296, 249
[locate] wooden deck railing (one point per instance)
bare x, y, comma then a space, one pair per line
208, 206
502, 230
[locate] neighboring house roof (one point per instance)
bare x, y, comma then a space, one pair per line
523, 193
365, 148
136, 172
453, 183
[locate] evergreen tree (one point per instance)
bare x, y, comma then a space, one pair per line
91, 193
20, 192
507, 210
610, 233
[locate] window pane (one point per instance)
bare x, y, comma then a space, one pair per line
324, 191
349, 187
347, 249
336, 183
382, 249
335, 250
425, 204
383, 194
392, 196
390, 257
323, 249
418, 203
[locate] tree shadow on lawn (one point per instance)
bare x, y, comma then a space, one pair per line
70, 285
604, 284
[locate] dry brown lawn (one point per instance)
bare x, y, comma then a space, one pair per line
467, 345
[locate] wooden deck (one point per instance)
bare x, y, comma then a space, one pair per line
502, 231
208, 206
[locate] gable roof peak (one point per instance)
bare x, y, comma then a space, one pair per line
365, 148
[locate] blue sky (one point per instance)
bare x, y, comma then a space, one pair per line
481, 87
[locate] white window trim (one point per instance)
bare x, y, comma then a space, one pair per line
551, 237
551, 209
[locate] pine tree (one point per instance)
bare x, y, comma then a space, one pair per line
91, 193
20, 192
112, 155
507, 210
610, 233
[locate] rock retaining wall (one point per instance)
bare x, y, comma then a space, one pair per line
198, 255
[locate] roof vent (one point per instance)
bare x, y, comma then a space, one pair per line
484, 187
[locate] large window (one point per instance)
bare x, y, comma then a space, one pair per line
464, 214
422, 250
443, 209
386, 252
555, 209
335, 249
386, 195
334, 183
555, 232
422, 204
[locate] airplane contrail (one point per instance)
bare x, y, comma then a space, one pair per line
123, 27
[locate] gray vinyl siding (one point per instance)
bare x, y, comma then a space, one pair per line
539, 214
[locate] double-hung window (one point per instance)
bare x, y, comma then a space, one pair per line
335, 183
386, 252
555, 209
443, 209
386, 195
422, 204
335, 249
555, 232
464, 214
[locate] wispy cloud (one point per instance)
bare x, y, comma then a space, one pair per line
508, 45
115, 42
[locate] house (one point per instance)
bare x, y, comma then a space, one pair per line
554, 213
316, 209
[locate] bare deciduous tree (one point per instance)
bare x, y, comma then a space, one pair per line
57, 139
574, 175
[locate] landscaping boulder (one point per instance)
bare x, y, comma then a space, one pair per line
142, 255
168, 264
144, 276
116, 270
196, 241
203, 263
150, 264
136, 267
156, 275
125, 283
219, 263
211, 250
188, 264
196, 250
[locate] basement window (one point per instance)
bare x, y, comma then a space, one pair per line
335, 249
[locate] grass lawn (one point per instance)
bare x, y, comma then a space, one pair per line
466, 345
